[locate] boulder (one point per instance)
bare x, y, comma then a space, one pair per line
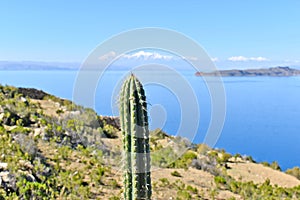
5, 176
8, 181
26, 165
3, 166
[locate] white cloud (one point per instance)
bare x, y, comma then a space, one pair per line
190, 58
151, 55
259, 59
292, 61
147, 55
215, 59
243, 58
143, 55
109, 55
238, 58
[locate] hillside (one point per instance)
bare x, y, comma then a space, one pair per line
51, 148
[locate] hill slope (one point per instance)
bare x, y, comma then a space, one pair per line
51, 148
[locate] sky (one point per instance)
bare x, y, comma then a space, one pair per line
234, 33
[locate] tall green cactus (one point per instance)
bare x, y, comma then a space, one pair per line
134, 125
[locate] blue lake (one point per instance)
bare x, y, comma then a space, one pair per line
262, 113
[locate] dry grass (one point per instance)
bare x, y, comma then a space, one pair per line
258, 174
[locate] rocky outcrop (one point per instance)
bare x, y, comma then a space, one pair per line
7, 180
114, 121
32, 93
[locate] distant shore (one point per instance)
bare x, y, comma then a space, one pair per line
273, 71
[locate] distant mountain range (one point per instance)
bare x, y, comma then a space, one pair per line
32, 65
273, 71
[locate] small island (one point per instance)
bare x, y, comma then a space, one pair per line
273, 71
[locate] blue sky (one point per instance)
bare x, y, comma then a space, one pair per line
234, 33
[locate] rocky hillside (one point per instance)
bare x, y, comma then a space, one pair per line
51, 148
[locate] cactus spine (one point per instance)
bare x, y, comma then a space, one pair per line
134, 125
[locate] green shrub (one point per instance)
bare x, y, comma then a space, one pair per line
223, 157
114, 183
213, 154
274, 165
176, 173
114, 198
20, 122
158, 134
232, 198
32, 190
185, 160
213, 193
250, 159
266, 164
59, 111
64, 152
2, 129
219, 180
192, 189
250, 190
294, 172
97, 174
202, 148
110, 131
163, 157
164, 182
237, 155
43, 121
20, 129
10, 118
183, 195
75, 125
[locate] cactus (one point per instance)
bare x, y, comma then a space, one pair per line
134, 125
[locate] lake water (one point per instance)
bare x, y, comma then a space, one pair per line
262, 118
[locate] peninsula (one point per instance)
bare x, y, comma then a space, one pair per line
273, 71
